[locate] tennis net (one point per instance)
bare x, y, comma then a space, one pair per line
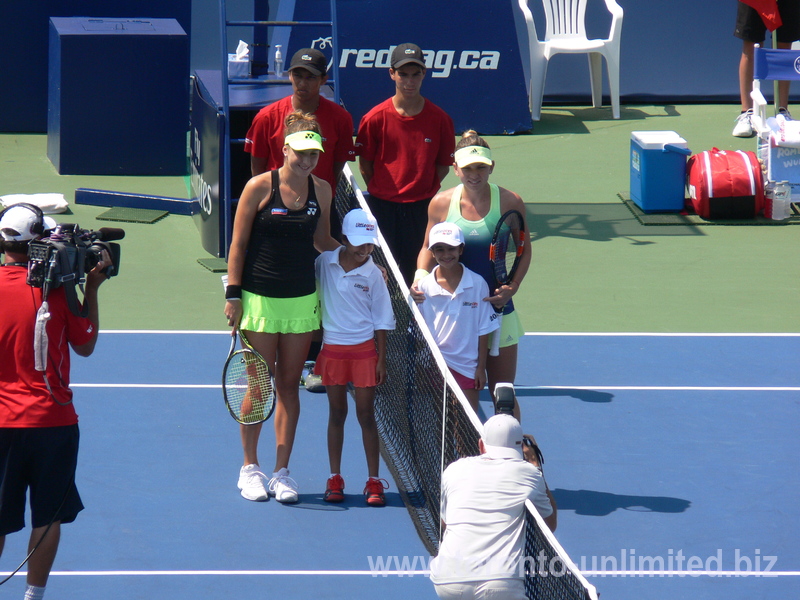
424, 425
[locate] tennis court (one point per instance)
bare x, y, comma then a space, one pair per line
678, 449
648, 463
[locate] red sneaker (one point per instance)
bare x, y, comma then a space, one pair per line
374, 491
335, 491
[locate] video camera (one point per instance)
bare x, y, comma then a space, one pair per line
68, 254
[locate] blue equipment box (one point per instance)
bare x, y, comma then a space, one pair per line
658, 170
118, 96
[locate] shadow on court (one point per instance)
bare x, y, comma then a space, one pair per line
352, 500
564, 120
600, 504
596, 222
583, 395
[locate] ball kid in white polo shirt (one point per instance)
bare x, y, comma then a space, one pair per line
356, 314
456, 310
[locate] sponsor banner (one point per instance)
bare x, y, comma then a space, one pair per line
472, 56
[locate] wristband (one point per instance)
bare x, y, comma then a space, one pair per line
233, 292
419, 274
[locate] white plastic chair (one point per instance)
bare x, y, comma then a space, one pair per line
566, 33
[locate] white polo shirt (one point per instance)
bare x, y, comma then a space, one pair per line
354, 304
457, 320
483, 507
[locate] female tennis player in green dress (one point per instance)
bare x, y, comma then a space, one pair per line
281, 217
476, 206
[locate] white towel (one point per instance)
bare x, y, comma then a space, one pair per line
49, 203
785, 132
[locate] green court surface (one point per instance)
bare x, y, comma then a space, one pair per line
596, 267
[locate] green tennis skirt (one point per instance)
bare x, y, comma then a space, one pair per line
511, 329
280, 315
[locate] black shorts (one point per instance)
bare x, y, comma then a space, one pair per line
750, 27
42, 460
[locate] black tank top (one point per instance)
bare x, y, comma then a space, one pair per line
280, 255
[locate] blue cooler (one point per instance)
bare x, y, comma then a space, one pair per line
658, 170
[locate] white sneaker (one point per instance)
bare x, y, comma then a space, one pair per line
283, 487
744, 126
308, 368
251, 483
785, 113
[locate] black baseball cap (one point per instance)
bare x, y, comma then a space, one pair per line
405, 54
310, 59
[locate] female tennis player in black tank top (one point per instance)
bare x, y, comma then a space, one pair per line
281, 217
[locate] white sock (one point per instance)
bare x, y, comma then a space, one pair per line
280, 472
33, 592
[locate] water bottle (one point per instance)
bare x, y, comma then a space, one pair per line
278, 61
769, 196
781, 200
787, 210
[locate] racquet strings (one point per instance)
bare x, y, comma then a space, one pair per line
507, 248
514, 244
248, 387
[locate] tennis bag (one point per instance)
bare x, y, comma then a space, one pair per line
725, 184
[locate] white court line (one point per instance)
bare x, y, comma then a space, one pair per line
377, 573
659, 388
641, 388
166, 331
691, 573
164, 386
529, 333
652, 334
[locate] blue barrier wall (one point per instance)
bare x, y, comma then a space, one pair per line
672, 50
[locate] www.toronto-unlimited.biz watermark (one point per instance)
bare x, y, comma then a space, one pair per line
628, 563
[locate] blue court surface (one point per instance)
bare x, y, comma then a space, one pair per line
673, 459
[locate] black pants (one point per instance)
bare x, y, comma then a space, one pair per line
403, 227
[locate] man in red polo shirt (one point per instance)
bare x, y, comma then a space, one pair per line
405, 147
264, 141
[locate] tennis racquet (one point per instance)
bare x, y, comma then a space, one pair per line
505, 253
247, 384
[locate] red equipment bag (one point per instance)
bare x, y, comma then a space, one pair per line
726, 184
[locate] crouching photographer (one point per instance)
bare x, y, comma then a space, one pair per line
483, 511
38, 423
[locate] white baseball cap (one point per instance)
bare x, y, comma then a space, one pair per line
445, 233
502, 437
19, 223
360, 228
